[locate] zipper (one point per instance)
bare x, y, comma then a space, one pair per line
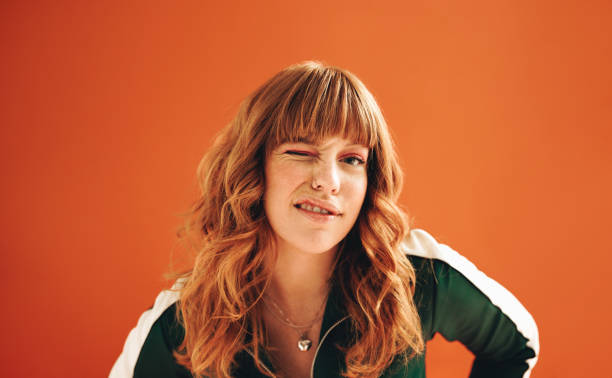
316, 351
321, 342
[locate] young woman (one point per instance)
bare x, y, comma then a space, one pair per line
305, 263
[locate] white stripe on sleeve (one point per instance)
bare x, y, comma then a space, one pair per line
125, 364
420, 243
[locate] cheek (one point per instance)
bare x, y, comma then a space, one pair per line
291, 172
281, 181
358, 187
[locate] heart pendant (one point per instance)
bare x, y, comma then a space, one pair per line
304, 344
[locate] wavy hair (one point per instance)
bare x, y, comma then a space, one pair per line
218, 304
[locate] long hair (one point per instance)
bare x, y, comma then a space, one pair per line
218, 304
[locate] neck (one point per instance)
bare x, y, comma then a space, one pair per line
300, 280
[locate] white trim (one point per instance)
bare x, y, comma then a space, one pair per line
420, 243
125, 364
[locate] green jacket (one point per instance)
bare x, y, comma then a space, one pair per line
453, 298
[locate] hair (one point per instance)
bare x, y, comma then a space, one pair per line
218, 304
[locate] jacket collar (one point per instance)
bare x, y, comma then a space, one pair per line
328, 358
335, 332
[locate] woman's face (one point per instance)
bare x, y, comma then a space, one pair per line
314, 192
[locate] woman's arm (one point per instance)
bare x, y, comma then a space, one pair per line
490, 331
462, 303
148, 349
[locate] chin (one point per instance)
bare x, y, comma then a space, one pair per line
316, 248
313, 243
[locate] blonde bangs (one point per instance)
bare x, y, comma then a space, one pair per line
323, 103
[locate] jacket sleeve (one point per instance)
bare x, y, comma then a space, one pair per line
147, 352
156, 357
463, 304
464, 313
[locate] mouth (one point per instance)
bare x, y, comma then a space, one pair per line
318, 208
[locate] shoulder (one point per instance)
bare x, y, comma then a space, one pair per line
421, 247
454, 298
150, 343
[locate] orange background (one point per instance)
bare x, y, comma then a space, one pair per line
501, 111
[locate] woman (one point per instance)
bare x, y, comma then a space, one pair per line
305, 264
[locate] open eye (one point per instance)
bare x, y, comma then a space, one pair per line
353, 160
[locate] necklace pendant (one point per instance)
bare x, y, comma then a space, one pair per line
304, 343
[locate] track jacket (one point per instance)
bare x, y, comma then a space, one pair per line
453, 298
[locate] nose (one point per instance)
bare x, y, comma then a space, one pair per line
326, 177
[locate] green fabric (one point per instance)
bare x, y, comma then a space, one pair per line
451, 305
156, 358
447, 302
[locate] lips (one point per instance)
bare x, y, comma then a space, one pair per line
317, 206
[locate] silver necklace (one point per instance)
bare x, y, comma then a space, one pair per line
304, 342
